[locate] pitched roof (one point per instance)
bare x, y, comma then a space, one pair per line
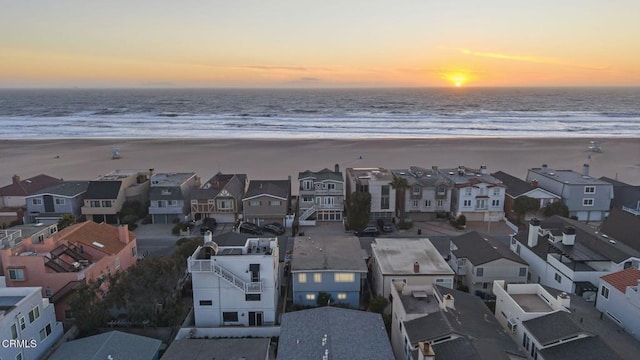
103, 189
65, 188
350, 334
232, 183
481, 250
621, 279
585, 348
89, 233
623, 227
416, 175
117, 344
553, 327
28, 186
277, 188
328, 253
623, 194
515, 186
207, 349
322, 175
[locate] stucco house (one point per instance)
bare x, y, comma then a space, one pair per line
375, 181
619, 299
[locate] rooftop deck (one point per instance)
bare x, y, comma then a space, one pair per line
531, 303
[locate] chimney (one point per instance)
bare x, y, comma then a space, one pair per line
337, 168
534, 227
425, 351
544, 168
208, 237
564, 299
447, 302
534, 183
569, 235
585, 170
16, 179
483, 170
123, 234
416, 267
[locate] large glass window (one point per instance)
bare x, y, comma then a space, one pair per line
344, 277
302, 278
231, 316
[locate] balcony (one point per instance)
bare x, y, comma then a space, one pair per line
207, 265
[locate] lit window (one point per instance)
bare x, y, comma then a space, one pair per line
342, 296
302, 278
344, 277
311, 296
116, 263
317, 277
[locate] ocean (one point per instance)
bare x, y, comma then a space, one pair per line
319, 114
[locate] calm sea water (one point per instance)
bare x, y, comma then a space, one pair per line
352, 113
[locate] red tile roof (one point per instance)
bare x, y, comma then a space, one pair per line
28, 186
621, 279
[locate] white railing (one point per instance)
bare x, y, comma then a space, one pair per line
635, 211
209, 266
305, 215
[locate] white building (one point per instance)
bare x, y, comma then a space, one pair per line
375, 181
408, 261
28, 327
476, 194
619, 299
235, 281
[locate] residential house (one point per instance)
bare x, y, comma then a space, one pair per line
623, 222
330, 264
105, 196
28, 326
570, 256
169, 196
267, 201
408, 261
518, 188
428, 195
434, 322
333, 333
587, 198
375, 181
52, 202
12, 196
478, 260
67, 258
321, 195
208, 349
11, 238
220, 198
235, 281
619, 299
112, 345
476, 194
551, 324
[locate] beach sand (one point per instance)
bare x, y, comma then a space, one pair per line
86, 159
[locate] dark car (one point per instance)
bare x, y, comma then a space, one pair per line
385, 225
250, 228
208, 224
274, 228
368, 231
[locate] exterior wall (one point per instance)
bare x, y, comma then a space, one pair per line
480, 191
398, 332
34, 331
423, 212
537, 266
375, 189
72, 205
413, 280
501, 269
327, 284
13, 201
264, 212
317, 196
622, 308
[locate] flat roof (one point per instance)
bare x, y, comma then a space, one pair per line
419, 302
398, 256
569, 176
328, 253
207, 349
29, 230
170, 179
531, 303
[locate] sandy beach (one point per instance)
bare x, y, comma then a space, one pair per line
86, 159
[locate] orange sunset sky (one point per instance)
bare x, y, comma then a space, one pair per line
282, 43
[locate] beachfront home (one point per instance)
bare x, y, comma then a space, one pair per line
377, 182
478, 260
12, 196
619, 299
29, 320
587, 198
267, 201
106, 195
235, 281
623, 222
434, 322
169, 196
518, 188
334, 265
428, 195
321, 195
74, 255
407, 261
333, 333
570, 256
55, 201
220, 198
112, 345
200, 348
11, 238
476, 194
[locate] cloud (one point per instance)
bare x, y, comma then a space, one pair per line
532, 59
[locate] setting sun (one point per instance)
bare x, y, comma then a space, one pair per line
456, 79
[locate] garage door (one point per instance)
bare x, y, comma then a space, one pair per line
583, 215
225, 218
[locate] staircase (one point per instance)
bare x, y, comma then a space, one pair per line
305, 215
246, 287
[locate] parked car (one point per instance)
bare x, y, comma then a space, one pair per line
274, 228
368, 231
385, 225
250, 228
208, 224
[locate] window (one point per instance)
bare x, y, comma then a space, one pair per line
467, 191
440, 203
116, 263
302, 278
60, 202
172, 202
344, 277
427, 203
587, 202
485, 285
441, 191
252, 297
466, 203
317, 277
342, 296
522, 272
36, 201
34, 314
276, 203
230, 316
311, 296
414, 203
133, 251
68, 314
496, 191
48, 292
16, 274
23, 324
329, 200
331, 186
384, 198
19, 356
416, 190
481, 204
604, 292
495, 203
558, 278
162, 203
106, 203
254, 203
479, 272
589, 189
224, 204
45, 332
206, 302
518, 249
94, 203
307, 185
14, 331
525, 341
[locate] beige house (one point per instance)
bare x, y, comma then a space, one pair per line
267, 201
220, 198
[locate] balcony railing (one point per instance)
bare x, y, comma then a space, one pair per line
209, 266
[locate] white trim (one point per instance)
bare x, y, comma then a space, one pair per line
267, 195
58, 195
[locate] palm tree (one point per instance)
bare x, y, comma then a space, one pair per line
400, 184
